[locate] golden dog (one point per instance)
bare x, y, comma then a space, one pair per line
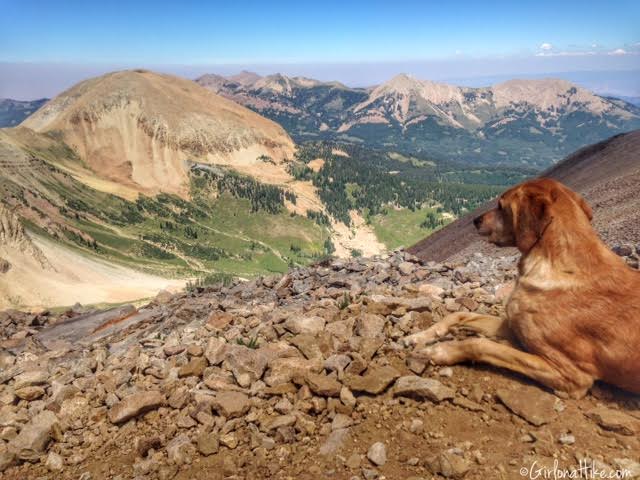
575, 307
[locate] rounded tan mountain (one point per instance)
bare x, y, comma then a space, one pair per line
142, 128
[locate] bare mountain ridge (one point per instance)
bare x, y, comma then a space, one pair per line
607, 174
407, 99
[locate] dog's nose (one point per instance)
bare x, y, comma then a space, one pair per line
477, 221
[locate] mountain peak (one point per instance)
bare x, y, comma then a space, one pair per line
245, 77
546, 93
407, 90
402, 82
162, 121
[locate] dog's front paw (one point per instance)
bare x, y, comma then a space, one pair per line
425, 337
439, 354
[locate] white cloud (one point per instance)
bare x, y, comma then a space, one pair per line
546, 46
618, 51
565, 54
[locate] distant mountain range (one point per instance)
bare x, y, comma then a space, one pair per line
12, 112
518, 122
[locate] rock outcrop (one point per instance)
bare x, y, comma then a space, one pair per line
13, 235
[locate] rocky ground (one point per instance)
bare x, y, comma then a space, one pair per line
303, 376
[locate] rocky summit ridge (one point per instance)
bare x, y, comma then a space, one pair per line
306, 375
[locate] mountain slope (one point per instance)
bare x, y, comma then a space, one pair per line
607, 174
519, 122
139, 128
12, 112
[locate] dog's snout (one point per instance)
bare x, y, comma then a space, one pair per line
477, 221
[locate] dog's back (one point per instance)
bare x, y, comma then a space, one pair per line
578, 300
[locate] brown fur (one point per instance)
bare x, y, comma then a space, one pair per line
575, 307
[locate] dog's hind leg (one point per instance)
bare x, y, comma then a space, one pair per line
572, 382
485, 325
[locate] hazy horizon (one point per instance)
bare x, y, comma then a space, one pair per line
30, 81
49, 46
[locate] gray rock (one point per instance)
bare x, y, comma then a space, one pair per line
375, 381
337, 362
215, 351
312, 325
341, 421
567, 439
54, 462
208, 443
281, 421
33, 439
323, 385
406, 268
450, 465
231, 404
615, 421
30, 378
347, 398
631, 467
284, 406
246, 364
418, 387
180, 450
30, 393
370, 325
134, 405
283, 370
530, 403
334, 441
417, 426
386, 305
623, 250
7, 459
377, 453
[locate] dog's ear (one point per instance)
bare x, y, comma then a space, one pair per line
532, 218
584, 206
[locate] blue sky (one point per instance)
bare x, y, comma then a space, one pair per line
454, 35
